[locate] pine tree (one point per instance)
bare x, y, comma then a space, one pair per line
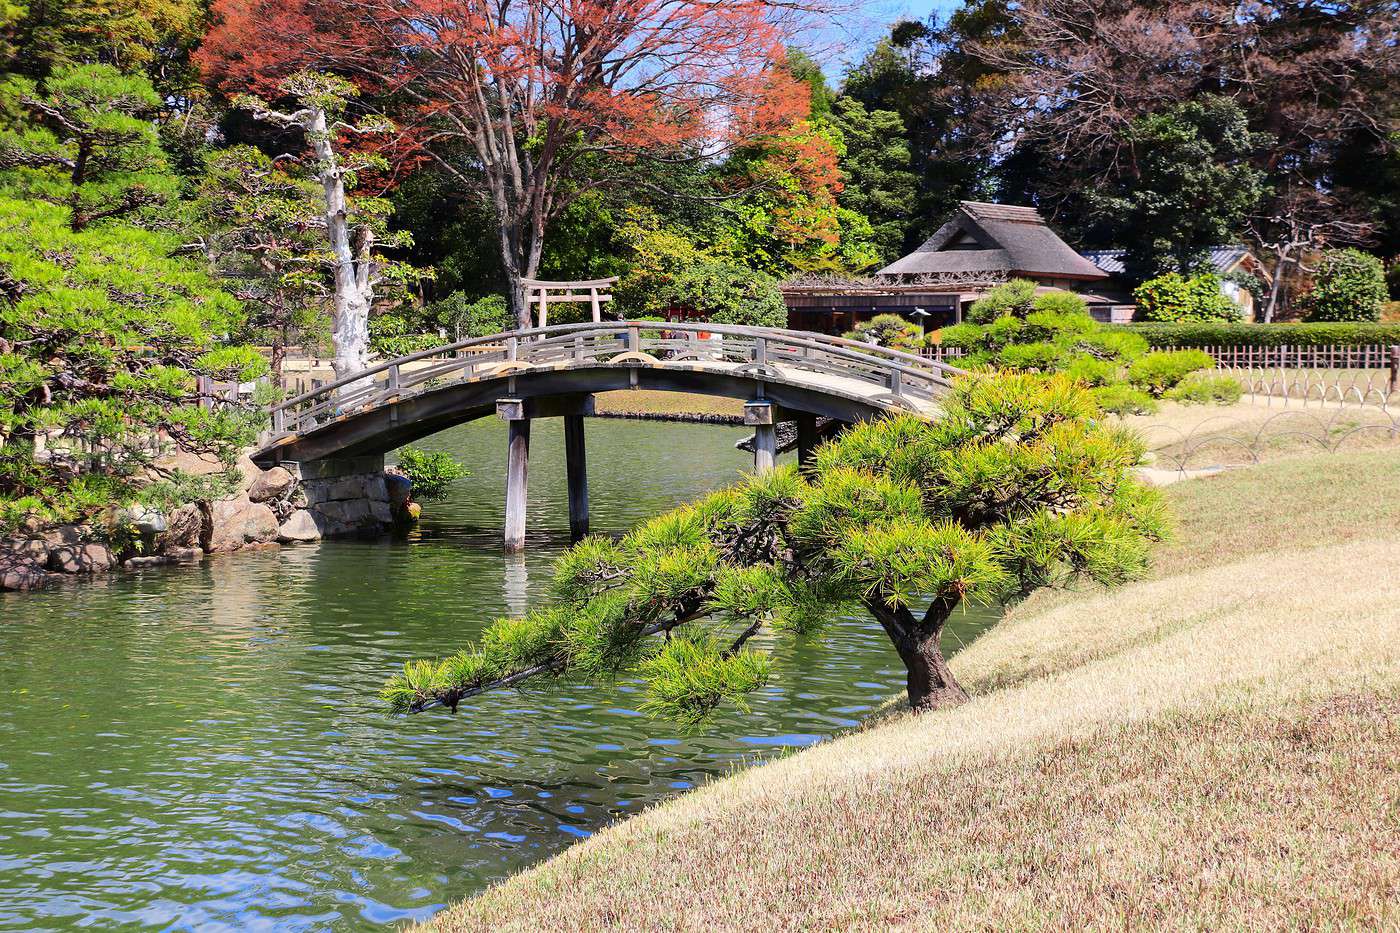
1018, 484
88, 144
355, 229
262, 229
105, 326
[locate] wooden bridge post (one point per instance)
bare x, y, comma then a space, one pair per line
512, 411
807, 439
759, 416
576, 465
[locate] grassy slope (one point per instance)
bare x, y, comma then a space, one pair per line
1216, 746
641, 402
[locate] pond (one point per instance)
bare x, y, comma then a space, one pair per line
202, 747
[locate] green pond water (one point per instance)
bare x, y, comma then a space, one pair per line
201, 748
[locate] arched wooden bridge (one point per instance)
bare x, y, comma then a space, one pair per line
554, 371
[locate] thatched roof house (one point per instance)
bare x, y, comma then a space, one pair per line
999, 240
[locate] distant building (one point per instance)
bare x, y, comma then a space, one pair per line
981, 246
998, 240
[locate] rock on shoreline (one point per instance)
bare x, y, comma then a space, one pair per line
273, 506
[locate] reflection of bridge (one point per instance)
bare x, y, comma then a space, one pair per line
781, 375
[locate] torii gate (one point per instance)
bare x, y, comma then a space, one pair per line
542, 294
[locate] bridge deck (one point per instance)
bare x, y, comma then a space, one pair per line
425, 392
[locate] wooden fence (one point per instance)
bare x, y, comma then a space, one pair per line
1367, 374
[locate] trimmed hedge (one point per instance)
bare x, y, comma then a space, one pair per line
1266, 335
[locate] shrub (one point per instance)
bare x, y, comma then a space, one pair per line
1262, 335
479, 317
430, 471
1158, 372
397, 333
1090, 371
1120, 399
1045, 333
1173, 297
723, 293
888, 330
1108, 343
1039, 357
1350, 286
1205, 388
1010, 299
1060, 302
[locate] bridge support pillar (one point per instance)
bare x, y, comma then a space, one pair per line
576, 465
517, 472
759, 416
807, 439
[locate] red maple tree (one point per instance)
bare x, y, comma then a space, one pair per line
533, 103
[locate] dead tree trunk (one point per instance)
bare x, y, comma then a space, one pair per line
352, 295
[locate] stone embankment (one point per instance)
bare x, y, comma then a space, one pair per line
282, 505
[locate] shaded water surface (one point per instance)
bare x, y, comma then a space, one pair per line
201, 748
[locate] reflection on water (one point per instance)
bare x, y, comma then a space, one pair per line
201, 747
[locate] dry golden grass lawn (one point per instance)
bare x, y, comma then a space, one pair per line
636, 402
1257, 430
1215, 747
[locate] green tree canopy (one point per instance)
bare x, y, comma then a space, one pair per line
875, 171
85, 141
1190, 185
262, 233
103, 332
1176, 298
1350, 286
1018, 484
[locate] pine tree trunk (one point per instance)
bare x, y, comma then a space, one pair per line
930, 683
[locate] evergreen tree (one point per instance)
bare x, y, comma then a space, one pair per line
877, 182
86, 142
1190, 186
262, 233
1019, 483
355, 229
103, 333
105, 326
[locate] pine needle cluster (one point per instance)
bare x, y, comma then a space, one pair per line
1019, 483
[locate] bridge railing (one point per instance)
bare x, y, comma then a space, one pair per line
753, 351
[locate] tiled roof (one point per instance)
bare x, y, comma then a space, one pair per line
1222, 258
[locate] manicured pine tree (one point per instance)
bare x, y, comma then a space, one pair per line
104, 326
1019, 483
85, 141
263, 232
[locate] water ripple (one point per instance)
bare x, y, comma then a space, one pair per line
202, 748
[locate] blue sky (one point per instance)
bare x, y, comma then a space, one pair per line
880, 13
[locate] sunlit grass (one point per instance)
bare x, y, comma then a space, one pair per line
1215, 747
643, 402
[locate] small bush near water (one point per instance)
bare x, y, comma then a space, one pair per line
432, 472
